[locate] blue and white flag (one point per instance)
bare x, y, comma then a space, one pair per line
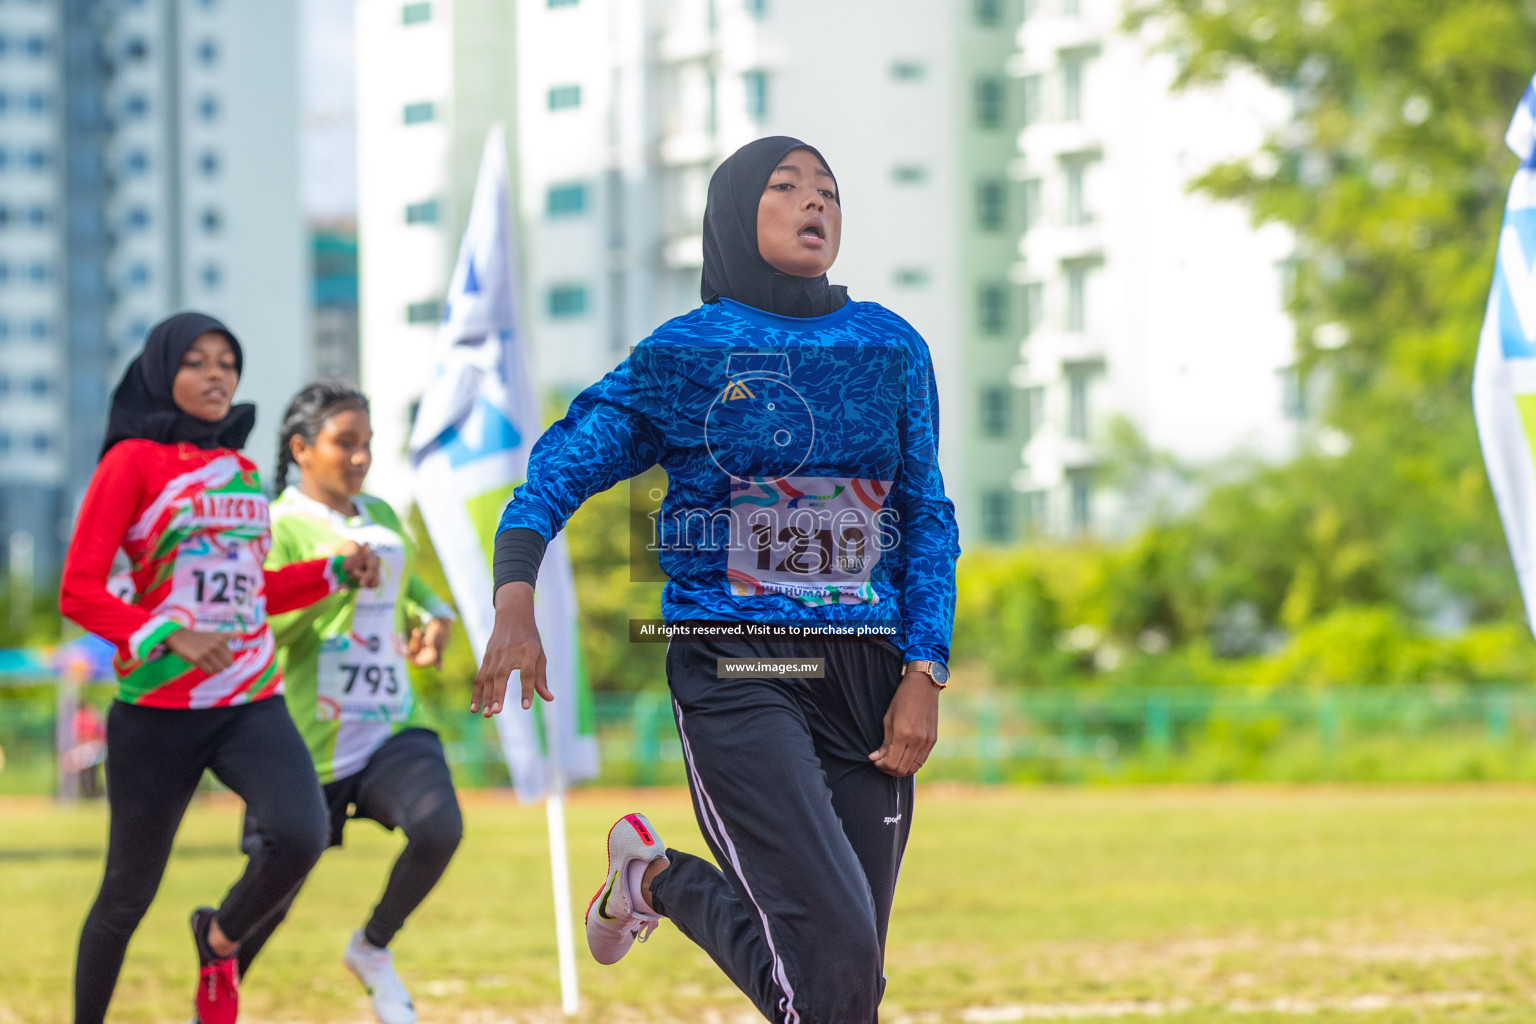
469, 446
1504, 379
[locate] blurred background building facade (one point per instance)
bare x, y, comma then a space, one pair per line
1142, 302
1014, 176
148, 163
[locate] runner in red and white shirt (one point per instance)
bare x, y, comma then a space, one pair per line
199, 686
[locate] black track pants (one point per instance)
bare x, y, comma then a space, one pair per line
405, 784
808, 833
155, 757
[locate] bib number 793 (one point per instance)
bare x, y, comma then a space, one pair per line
369, 678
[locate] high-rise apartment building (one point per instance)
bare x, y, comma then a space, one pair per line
148, 163
623, 110
432, 77
1141, 300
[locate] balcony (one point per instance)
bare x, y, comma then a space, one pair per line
1053, 26
684, 252
680, 149
1046, 351
1045, 140
1046, 245
683, 45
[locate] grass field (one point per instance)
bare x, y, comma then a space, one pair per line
1244, 904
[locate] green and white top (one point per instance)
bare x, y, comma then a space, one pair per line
344, 657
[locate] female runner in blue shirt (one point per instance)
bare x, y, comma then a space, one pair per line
799, 432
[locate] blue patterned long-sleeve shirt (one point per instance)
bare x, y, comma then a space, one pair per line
802, 462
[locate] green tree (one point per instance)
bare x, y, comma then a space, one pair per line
1392, 177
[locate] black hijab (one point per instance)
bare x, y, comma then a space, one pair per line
142, 406
733, 266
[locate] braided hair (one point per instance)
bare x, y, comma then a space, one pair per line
306, 417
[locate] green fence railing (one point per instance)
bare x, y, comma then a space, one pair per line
1195, 735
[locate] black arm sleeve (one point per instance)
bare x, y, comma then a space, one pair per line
519, 551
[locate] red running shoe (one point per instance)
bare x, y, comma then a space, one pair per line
218, 978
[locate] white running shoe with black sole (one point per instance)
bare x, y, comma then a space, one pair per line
617, 916
375, 968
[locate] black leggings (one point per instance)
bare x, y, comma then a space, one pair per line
405, 784
155, 757
807, 833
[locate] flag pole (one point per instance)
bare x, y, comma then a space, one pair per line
560, 866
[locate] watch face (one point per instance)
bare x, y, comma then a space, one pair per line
940, 671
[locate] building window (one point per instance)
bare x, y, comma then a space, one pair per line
212, 275
564, 97
909, 174
988, 13
565, 200
1079, 385
134, 49
208, 163
135, 105
992, 308
989, 101
1035, 505
37, 46
38, 387
136, 161
756, 85
1293, 395
997, 516
208, 53
38, 216
37, 103
5, 272
910, 277
424, 312
1034, 99
1072, 89
995, 402
5, 386
40, 330
1081, 482
756, 8
208, 108
1077, 299
1077, 213
136, 219
1033, 412
138, 275
991, 205
422, 213
39, 273
415, 14
41, 442
1032, 203
211, 220
567, 300
908, 71
420, 113
5, 439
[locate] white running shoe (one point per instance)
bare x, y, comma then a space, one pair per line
616, 916
375, 968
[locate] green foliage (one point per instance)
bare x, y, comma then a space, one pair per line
1327, 569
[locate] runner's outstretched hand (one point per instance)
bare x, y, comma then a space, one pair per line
514, 647
911, 726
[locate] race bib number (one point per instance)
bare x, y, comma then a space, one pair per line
215, 587
815, 539
362, 673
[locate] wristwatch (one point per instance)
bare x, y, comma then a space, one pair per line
937, 671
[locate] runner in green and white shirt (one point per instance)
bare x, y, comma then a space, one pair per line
349, 689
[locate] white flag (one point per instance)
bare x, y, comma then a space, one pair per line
1504, 379
469, 445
